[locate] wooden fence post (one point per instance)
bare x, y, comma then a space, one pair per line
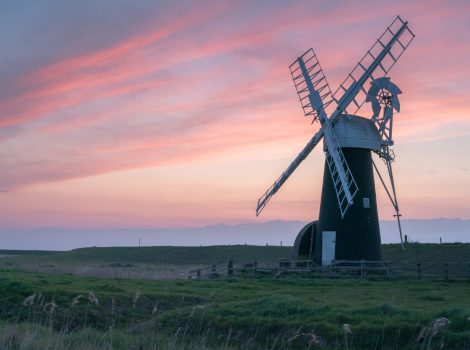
198, 273
230, 267
418, 266
213, 270
255, 266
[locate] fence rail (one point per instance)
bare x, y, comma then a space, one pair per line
339, 268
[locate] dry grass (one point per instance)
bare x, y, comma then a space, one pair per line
138, 271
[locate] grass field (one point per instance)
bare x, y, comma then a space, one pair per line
455, 252
288, 312
175, 262
159, 255
140, 263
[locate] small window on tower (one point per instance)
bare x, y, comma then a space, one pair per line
366, 202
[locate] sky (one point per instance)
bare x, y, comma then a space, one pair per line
122, 113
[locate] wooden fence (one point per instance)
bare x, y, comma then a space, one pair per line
339, 268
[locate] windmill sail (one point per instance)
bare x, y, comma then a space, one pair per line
376, 63
343, 180
379, 60
311, 73
271, 191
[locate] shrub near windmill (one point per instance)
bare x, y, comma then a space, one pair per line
348, 225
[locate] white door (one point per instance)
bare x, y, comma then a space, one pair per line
328, 247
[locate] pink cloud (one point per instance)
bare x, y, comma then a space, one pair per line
183, 92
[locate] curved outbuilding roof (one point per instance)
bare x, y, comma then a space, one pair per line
305, 241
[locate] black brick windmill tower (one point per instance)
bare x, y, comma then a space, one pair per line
348, 225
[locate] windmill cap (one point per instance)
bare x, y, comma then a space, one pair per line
356, 132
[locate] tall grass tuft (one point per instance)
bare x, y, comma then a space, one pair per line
346, 332
50, 306
76, 300
29, 300
428, 333
135, 299
155, 308
93, 299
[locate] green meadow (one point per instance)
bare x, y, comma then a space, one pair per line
55, 310
449, 252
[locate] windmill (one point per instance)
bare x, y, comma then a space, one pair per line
348, 226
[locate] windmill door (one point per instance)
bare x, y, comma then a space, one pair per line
328, 247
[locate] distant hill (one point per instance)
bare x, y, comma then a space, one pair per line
271, 233
427, 230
